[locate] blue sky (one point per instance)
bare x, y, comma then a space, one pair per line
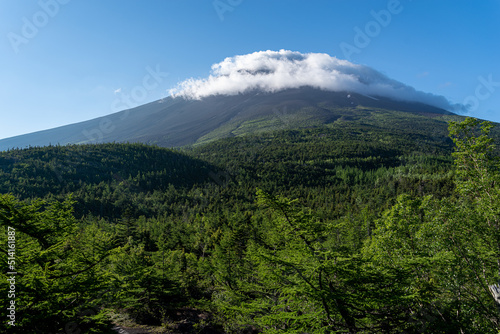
65, 61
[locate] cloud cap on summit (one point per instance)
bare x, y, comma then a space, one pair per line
272, 71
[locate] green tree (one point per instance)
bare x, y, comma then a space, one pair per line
303, 281
59, 285
476, 232
451, 244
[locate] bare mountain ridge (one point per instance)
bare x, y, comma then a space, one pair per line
175, 122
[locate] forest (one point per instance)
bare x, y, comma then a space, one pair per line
311, 230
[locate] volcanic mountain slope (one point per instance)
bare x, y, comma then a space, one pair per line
174, 122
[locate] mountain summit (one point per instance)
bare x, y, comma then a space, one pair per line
262, 91
273, 71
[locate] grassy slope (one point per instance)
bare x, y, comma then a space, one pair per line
334, 117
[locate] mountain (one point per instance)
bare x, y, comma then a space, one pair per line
168, 233
174, 122
310, 194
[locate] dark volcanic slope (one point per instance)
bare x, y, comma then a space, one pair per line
176, 122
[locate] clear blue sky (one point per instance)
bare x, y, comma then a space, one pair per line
64, 61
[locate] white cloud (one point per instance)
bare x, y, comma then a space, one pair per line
272, 71
119, 90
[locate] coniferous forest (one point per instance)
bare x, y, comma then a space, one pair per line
310, 230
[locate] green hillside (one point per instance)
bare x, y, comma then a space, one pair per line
206, 240
333, 116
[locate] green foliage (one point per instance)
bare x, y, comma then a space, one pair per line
56, 263
386, 235
302, 281
450, 244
